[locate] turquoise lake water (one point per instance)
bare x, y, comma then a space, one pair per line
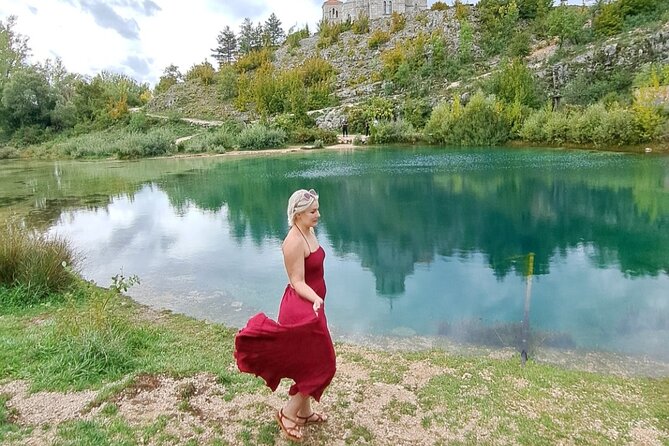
495, 247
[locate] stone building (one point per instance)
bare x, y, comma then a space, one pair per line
336, 11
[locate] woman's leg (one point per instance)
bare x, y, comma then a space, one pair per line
288, 416
307, 415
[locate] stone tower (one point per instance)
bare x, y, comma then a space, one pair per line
336, 11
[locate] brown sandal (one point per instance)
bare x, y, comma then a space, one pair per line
293, 433
309, 419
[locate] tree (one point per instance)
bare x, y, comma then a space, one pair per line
14, 50
226, 51
27, 99
530, 9
274, 34
171, 76
245, 39
258, 38
565, 22
204, 73
514, 82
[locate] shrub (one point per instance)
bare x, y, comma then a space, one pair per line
439, 6
293, 39
360, 25
301, 135
416, 112
138, 122
39, 264
387, 132
609, 21
515, 82
213, 141
481, 122
8, 152
253, 60
328, 33
397, 22
378, 38
257, 137
203, 73
159, 141
586, 89
228, 82
533, 127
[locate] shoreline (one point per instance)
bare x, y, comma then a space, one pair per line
194, 394
653, 149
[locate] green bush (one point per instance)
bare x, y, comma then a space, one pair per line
439, 6
416, 112
228, 82
138, 122
120, 143
301, 135
594, 125
155, 142
203, 73
328, 33
398, 22
216, 141
588, 88
482, 122
533, 127
378, 38
388, 132
257, 137
253, 60
38, 264
515, 82
293, 39
360, 25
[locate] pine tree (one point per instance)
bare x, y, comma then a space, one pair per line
274, 34
226, 50
245, 39
258, 40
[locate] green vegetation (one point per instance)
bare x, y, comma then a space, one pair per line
33, 266
66, 115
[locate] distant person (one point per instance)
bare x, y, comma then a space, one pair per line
366, 128
299, 346
344, 128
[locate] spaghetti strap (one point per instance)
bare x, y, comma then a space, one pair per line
304, 237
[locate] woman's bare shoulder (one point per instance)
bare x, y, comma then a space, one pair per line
293, 244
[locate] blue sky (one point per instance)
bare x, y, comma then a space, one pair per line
141, 37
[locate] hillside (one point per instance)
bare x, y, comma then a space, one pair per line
358, 67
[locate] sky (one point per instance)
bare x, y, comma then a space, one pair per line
140, 38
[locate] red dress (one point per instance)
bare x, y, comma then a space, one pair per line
298, 347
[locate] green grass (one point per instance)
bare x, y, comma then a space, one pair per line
32, 265
101, 340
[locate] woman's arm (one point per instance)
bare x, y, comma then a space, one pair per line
293, 258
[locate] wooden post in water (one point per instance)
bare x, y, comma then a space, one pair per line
525, 328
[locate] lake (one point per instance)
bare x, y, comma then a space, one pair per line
523, 248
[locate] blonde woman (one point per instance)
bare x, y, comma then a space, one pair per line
298, 346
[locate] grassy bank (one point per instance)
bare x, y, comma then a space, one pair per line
87, 366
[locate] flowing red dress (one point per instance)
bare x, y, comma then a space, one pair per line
298, 346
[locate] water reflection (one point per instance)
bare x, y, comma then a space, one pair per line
419, 241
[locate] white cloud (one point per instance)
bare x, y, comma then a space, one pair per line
140, 37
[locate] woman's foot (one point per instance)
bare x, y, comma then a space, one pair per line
290, 427
314, 418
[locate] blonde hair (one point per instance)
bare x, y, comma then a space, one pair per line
298, 202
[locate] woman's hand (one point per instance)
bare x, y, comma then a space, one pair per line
318, 303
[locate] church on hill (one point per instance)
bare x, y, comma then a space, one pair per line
336, 11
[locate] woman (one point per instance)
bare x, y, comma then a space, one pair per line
299, 346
